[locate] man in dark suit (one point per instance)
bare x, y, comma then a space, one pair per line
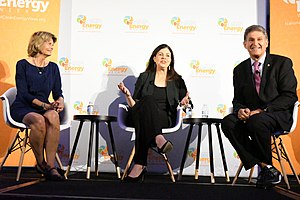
264, 96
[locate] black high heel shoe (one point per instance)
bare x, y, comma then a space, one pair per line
41, 168
167, 147
52, 174
139, 178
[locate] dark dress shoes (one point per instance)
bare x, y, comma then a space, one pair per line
268, 177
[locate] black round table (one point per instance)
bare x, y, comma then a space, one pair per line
203, 121
95, 120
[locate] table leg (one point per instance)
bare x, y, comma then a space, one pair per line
74, 148
222, 152
198, 151
211, 156
97, 148
185, 152
114, 149
88, 172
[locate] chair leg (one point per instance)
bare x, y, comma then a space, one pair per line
250, 174
11, 148
287, 157
60, 164
128, 163
280, 162
23, 150
237, 173
58, 161
168, 166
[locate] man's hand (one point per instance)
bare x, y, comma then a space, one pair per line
253, 112
244, 113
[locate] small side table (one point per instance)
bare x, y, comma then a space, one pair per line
95, 120
200, 122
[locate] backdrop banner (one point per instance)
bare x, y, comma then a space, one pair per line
101, 43
18, 21
111, 41
284, 32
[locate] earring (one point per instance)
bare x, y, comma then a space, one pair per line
169, 67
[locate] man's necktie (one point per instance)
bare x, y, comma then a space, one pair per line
257, 76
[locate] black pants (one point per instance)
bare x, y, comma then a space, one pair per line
252, 139
148, 121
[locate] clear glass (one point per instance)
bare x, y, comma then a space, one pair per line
188, 110
90, 108
204, 111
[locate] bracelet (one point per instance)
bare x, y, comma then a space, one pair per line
43, 106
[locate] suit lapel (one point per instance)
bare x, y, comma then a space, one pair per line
249, 74
265, 74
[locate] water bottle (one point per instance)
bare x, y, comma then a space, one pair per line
90, 108
188, 110
204, 111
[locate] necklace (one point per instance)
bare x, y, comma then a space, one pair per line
39, 68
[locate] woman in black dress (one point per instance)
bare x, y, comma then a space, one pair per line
157, 93
36, 78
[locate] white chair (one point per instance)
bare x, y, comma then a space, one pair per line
122, 115
279, 151
21, 140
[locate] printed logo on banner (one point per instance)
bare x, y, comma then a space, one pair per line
82, 109
204, 159
88, 24
26, 10
63, 152
103, 151
201, 71
17, 6
70, 69
222, 109
113, 71
136, 26
230, 27
297, 11
184, 27
293, 2
192, 153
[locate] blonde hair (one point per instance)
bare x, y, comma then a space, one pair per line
37, 40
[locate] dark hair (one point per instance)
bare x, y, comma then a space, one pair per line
171, 74
255, 28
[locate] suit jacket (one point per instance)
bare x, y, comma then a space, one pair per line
277, 90
176, 89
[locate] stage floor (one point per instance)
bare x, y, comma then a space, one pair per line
106, 186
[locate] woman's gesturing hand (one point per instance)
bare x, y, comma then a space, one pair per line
124, 89
186, 99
